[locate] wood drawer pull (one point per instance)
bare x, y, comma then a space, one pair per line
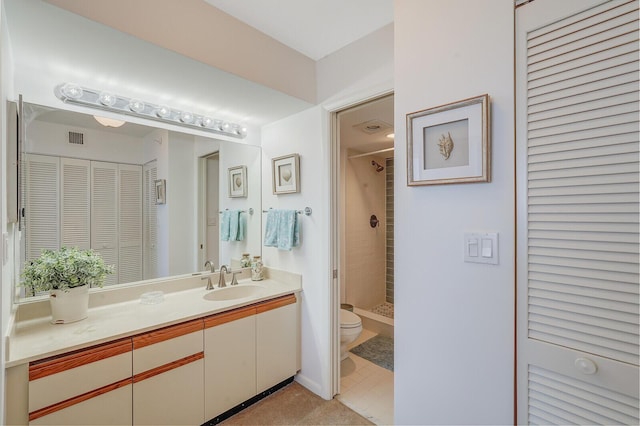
229, 316
276, 303
60, 363
167, 333
167, 367
78, 399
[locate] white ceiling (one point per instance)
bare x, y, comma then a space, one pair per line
314, 28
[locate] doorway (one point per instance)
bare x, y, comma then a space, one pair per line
363, 252
209, 206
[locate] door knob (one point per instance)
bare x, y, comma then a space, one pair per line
585, 365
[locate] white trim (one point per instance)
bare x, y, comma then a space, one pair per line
332, 109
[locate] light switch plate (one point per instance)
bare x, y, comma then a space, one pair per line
481, 247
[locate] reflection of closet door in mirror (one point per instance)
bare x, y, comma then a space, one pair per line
42, 209
104, 217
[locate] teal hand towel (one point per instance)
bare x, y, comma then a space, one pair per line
271, 229
224, 225
234, 224
287, 232
242, 226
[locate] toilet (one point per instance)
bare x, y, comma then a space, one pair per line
350, 329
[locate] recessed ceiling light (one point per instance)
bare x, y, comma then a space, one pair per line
109, 122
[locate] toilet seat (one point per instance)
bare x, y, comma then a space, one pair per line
349, 319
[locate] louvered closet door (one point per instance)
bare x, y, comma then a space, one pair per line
130, 223
75, 203
150, 222
42, 204
104, 214
578, 136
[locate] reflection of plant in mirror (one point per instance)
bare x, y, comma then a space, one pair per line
64, 269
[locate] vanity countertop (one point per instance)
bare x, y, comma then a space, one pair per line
37, 338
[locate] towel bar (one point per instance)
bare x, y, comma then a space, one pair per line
241, 211
306, 211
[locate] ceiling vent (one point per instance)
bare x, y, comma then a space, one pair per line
373, 126
76, 138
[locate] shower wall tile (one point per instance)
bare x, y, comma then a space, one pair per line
389, 282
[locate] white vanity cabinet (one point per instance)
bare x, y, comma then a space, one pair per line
277, 338
249, 350
230, 360
86, 387
168, 376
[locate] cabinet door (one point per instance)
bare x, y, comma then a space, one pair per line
277, 341
168, 381
230, 360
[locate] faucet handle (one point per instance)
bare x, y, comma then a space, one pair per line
209, 283
234, 280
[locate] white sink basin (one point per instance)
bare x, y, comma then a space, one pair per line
235, 292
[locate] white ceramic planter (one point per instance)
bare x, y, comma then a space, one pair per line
69, 306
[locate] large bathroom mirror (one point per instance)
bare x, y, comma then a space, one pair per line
149, 200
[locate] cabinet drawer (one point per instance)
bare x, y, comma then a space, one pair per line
167, 345
174, 397
109, 408
59, 378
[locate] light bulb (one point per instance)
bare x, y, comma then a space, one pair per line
72, 91
242, 131
206, 122
136, 105
107, 99
163, 111
186, 117
226, 126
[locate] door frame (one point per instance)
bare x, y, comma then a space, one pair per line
334, 222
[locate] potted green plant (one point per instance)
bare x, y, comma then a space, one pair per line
67, 274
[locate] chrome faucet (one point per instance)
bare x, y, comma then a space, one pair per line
210, 265
221, 281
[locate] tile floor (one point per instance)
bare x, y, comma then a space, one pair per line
365, 387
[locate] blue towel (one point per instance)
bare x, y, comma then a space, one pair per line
282, 229
271, 228
232, 226
287, 229
224, 225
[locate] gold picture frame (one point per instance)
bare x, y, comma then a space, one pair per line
286, 174
449, 143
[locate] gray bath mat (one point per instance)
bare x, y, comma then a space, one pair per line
378, 350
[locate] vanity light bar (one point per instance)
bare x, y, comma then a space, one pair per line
75, 94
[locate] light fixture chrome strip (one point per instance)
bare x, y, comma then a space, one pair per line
75, 94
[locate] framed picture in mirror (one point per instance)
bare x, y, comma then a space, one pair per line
238, 181
161, 191
286, 174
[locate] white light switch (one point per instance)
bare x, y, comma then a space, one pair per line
472, 247
481, 247
487, 247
